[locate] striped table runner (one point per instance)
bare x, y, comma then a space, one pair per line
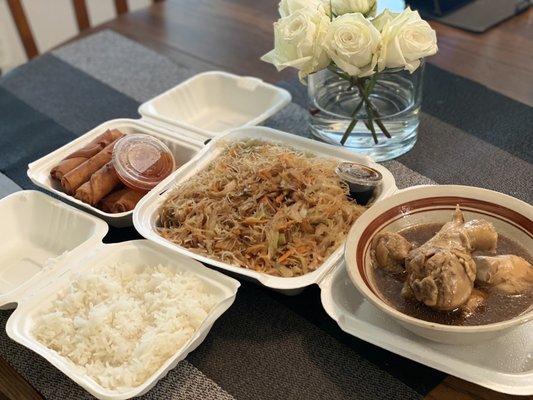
267, 345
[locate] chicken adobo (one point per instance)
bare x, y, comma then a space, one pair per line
459, 273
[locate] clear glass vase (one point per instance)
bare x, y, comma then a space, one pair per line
396, 96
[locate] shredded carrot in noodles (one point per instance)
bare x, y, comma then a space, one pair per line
262, 206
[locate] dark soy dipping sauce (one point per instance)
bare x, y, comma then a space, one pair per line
361, 194
362, 181
496, 308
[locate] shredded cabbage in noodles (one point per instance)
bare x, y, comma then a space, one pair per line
262, 206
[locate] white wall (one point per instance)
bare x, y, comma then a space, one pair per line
12, 52
52, 22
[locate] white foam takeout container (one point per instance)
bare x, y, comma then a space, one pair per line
214, 102
183, 118
182, 146
145, 216
61, 242
503, 363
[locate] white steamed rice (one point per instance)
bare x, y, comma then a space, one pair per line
120, 323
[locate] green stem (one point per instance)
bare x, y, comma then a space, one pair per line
349, 130
364, 88
381, 125
371, 109
370, 123
352, 123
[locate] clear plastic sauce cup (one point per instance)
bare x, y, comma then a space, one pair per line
142, 161
362, 181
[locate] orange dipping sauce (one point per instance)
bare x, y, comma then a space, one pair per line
142, 161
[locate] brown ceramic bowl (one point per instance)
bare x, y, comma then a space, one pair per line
435, 204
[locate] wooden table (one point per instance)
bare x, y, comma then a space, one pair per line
233, 34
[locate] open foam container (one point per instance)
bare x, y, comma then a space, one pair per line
185, 116
182, 147
145, 217
39, 259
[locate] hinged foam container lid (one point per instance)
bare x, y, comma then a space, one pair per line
215, 102
37, 233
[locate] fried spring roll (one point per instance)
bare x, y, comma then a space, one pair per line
81, 155
101, 183
81, 174
120, 201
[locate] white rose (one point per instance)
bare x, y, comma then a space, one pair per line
405, 40
352, 42
381, 20
365, 7
297, 42
287, 7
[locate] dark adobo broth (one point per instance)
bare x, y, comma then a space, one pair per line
496, 308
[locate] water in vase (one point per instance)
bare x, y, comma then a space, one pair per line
397, 96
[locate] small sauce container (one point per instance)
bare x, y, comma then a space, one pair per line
362, 181
142, 161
